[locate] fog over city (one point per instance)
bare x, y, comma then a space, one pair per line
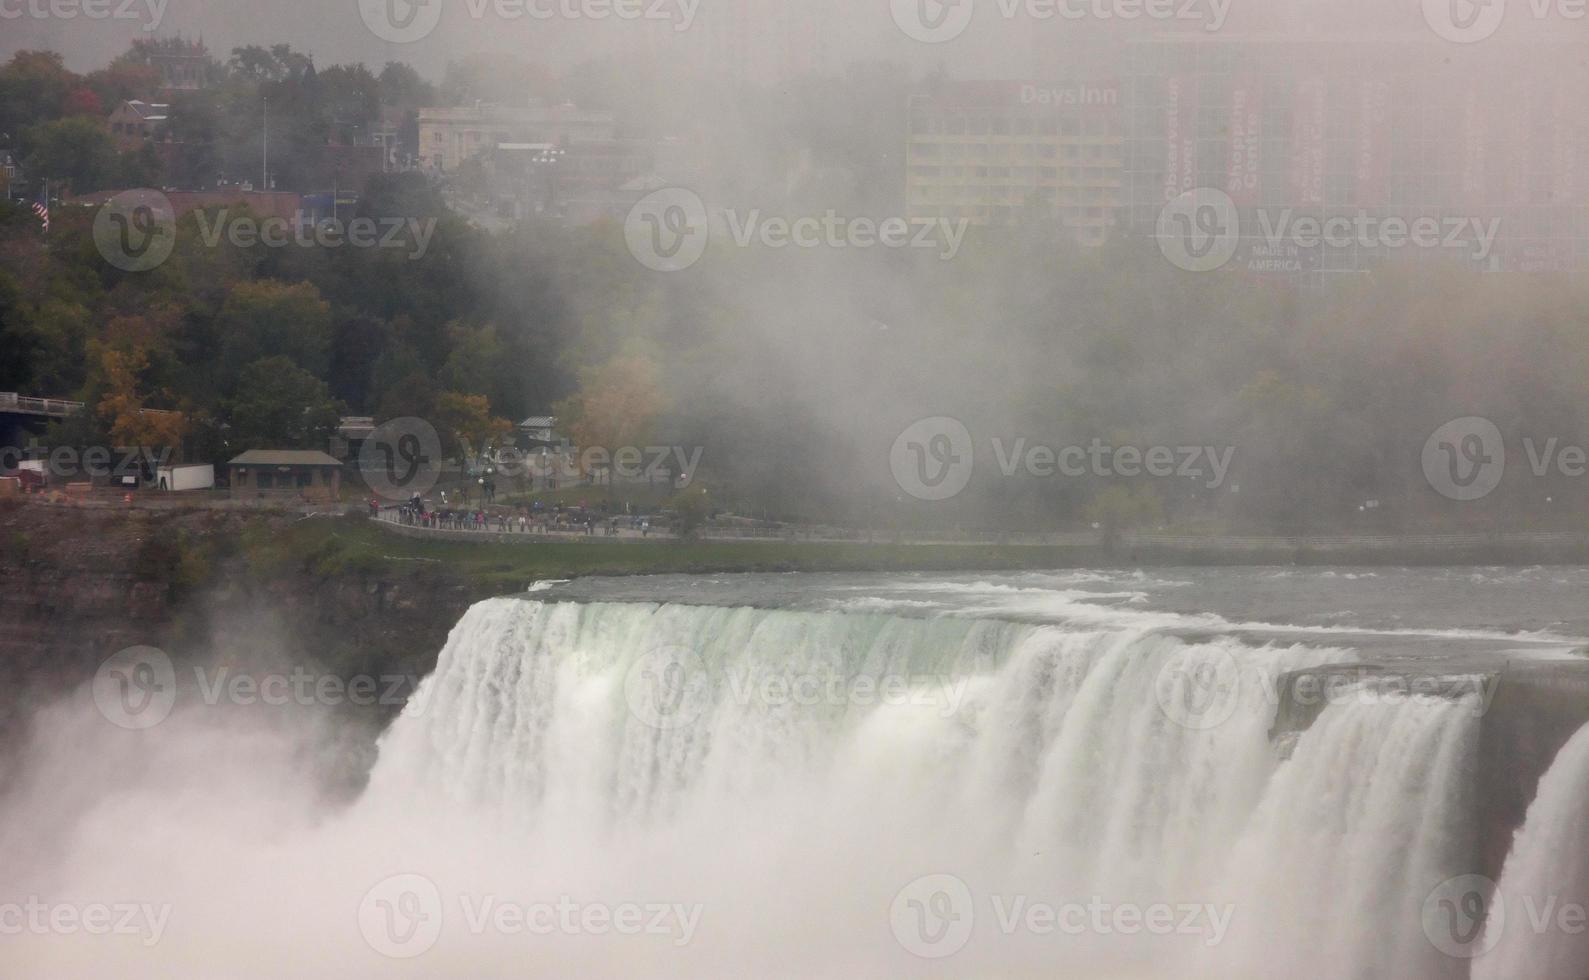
822, 488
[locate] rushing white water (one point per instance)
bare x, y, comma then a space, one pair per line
1037, 764
1537, 928
1354, 831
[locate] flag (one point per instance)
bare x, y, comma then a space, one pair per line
41, 207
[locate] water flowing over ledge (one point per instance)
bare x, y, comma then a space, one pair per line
1069, 761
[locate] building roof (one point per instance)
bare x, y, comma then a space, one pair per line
285, 457
539, 422
153, 112
264, 204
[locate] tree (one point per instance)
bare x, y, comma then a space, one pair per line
270, 319
18, 346
466, 422
76, 150
281, 406
500, 78
616, 405
275, 64
122, 406
123, 81
358, 345
33, 88
1119, 507
480, 364
692, 506
350, 98
404, 88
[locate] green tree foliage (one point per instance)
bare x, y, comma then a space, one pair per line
272, 319
76, 150
33, 89
281, 406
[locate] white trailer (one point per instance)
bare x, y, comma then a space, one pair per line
192, 476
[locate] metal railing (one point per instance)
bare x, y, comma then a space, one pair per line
10, 401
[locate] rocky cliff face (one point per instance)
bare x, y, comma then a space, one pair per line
81, 584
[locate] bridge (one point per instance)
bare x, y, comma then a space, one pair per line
55, 408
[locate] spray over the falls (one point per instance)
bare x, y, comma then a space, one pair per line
1060, 765
1536, 924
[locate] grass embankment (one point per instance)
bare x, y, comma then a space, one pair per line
332, 545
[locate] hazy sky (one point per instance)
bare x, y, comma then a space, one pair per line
1009, 38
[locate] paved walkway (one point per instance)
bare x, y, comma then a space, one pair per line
1231, 546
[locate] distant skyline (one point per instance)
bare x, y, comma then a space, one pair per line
764, 40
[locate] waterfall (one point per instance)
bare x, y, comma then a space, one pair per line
1366, 818
1076, 762
1537, 926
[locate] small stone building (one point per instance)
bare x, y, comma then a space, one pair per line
307, 473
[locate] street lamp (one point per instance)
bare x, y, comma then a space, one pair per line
549, 158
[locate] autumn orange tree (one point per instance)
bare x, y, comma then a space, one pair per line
617, 404
467, 423
121, 407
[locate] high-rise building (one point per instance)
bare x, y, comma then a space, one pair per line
449, 136
1400, 128
995, 152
